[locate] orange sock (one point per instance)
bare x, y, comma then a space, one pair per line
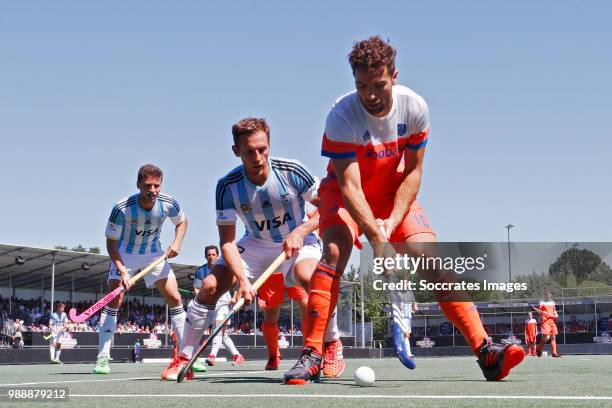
466, 318
270, 333
304, 327
324, 289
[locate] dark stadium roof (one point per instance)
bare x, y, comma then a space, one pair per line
68, 268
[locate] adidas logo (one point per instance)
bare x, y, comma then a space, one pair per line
266, 204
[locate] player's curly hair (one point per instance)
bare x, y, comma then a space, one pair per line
372, 54
248, 126
149, 170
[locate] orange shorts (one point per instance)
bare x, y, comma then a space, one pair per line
549, 328
530, 339
272, 292
333, 212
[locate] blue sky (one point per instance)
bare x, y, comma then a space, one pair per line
519, 97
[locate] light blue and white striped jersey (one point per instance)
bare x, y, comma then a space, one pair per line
138, 230
200, 274
270, 211
57, 320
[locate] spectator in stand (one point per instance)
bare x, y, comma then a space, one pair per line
18, 336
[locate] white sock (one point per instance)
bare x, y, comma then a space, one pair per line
199, 317
177, 315
407, 341
331, 331
52, 351
57, 353
229, 344
216, 345
107, 331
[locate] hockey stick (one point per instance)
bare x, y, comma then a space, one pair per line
52, 334
202, 346
112, 295
185, 292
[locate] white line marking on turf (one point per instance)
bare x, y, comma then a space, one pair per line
246, 363
353, 396
211, 375
168, 360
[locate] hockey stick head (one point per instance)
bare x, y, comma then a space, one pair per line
73, 315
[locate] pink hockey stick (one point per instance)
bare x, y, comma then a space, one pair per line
112, 295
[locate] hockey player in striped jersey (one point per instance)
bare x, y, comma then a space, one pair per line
222, 309
132, 241
57, 325
269, 195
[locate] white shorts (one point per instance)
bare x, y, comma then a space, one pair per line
57, 337
257, 255
221, 311
135, 262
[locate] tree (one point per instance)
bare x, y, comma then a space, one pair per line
574, 265
375, 301
602, 273
537, 285
79, 248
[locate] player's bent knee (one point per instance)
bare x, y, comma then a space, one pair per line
173, 300
271, 314
337, 245
334, 254
116, 303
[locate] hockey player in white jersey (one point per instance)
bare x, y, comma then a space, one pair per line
269, 195
222, 309
57, 325
132, 241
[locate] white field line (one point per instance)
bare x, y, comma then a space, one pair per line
168, 360
353, 396
227, 364
158, 377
